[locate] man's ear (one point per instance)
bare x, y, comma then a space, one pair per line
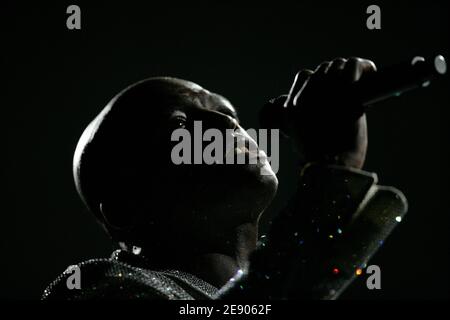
118, 215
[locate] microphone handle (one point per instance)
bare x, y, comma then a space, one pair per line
397, 79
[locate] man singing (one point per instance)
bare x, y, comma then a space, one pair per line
189, 231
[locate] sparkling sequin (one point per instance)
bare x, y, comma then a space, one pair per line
114, 278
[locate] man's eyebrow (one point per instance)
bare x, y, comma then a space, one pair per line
228, 111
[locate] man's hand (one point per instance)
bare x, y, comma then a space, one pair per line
323, 118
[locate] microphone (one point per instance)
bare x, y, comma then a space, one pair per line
398, 79
375, 87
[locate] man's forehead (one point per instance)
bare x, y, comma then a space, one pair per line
168, 94
204, 99
213, 101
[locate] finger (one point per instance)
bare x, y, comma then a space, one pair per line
356, 67
336, 66
322, 68
301, 78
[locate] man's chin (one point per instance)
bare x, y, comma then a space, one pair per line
260, 180
262, 171
250, 178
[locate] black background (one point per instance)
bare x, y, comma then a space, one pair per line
57, 80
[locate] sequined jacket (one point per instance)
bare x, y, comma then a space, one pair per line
336, 221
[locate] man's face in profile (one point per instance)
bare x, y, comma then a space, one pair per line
220, 195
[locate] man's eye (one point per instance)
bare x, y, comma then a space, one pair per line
178, 122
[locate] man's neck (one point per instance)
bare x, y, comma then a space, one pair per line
219, 268
216, 267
